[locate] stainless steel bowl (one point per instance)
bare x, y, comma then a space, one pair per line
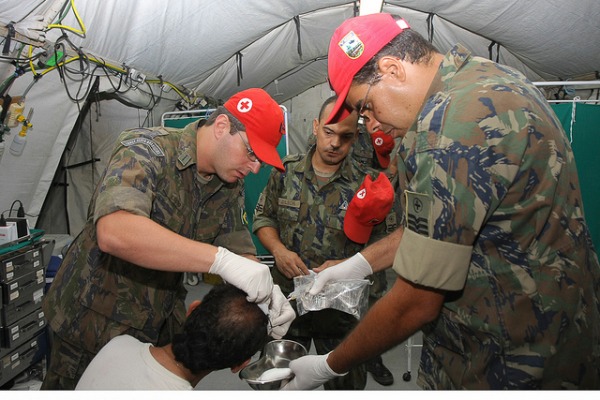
276, 354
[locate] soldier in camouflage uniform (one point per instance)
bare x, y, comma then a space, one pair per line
494, 256
299, 218
168, 203
363, 152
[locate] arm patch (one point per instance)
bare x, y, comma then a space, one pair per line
151, 144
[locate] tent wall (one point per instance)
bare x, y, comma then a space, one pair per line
303, 109
582, 125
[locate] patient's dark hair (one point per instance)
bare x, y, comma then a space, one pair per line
222, 332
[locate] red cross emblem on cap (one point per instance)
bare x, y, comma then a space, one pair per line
244, 105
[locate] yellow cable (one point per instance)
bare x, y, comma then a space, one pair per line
82, 31
31, 61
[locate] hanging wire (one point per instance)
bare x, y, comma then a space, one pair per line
81, 32
240, 74
490, 50
299, 46
430, 28
573, 113
83, 68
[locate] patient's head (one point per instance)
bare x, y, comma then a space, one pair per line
224, 331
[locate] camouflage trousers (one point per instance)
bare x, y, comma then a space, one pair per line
67, 364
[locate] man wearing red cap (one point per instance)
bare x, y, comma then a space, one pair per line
495, 261
170, 201
373, 151
300, 218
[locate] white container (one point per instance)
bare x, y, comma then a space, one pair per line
14, 110
8, 233
17, 145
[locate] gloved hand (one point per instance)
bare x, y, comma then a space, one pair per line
310, 373
356, 267
252, 277
32, 27
281, 314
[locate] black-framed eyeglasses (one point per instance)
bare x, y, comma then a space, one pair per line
363, 104
250, 153
361, 111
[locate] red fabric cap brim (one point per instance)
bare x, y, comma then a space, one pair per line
356, 231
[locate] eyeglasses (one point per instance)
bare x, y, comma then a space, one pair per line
250, 153
363, 104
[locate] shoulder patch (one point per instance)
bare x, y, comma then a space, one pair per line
418, 212
151, 144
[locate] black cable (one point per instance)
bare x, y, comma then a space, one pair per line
19, 210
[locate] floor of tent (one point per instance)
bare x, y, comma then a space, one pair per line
396, 360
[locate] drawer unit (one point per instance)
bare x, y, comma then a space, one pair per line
11, 313
18, 359
22, 263
23, 288
22, 321
24, 329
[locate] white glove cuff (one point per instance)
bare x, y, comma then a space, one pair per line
214, 268
363, 264
328, 368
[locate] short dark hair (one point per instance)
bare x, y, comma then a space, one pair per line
409, 46
222, 332
328, 101
236, 124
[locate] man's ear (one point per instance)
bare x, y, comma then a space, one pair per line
194, 304
392, 66
315, 126
238, 368
221, 126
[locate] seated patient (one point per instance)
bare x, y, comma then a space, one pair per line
222, 331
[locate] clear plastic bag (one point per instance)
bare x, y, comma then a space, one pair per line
350, 296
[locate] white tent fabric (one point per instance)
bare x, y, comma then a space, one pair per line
210, 49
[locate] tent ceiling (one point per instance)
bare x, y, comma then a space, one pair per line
218, 47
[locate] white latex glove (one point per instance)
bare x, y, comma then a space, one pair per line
32, 27
310, 373
356, 267
281, 314
251, 276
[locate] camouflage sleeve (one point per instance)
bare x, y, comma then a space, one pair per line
129, 180
462, 157
234, 234
265, 213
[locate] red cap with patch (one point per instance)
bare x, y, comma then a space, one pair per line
263, 119
383, 145
370, 205
352, 45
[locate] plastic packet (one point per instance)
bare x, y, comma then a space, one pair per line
350, 296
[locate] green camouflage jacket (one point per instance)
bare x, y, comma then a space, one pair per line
152, 172
310, 220
487, 166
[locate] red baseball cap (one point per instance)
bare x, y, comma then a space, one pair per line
352, 45
370, 205
263, 119
383, 145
